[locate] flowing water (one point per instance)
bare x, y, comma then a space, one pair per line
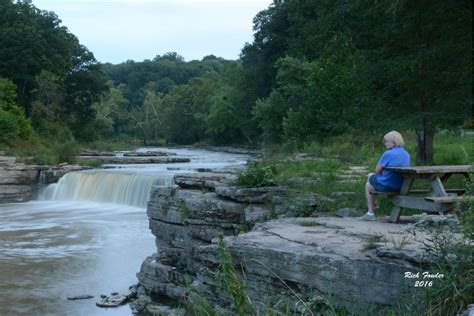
86, 234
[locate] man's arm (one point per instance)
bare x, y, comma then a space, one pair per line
378, 169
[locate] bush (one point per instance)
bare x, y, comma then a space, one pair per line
451, 294
45, 156
67, 152
14, 125
256, 175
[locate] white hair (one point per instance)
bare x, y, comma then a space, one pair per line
395, 137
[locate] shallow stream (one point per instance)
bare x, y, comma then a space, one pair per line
87, 234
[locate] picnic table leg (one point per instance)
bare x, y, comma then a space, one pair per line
405, 189
438, 188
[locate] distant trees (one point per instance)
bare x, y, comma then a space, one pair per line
13, 124
181, 102
57, 79
314, 69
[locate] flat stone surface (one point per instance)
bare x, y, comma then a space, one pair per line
327, 255
135, 160
349, 259
114, 299
251, 195
203, 180
348, 212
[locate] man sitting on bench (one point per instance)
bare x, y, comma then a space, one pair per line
385, 180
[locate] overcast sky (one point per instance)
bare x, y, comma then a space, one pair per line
118, 30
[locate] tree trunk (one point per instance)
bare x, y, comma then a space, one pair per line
424, 150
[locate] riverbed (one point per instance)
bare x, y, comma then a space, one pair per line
83, 242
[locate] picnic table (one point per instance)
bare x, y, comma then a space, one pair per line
436, 200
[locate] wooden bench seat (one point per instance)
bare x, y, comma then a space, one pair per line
382, 193
448, 199
457, 191
422, 199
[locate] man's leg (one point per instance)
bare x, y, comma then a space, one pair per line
371, 205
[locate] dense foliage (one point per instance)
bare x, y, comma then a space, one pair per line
315, 69
386, 64
57, 79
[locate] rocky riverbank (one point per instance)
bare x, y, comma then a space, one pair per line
358, 265
17, 180
138, 159
20, 182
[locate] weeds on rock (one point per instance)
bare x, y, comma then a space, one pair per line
371, 241
308, 223
183, 209
467, 212
231, 283
399, 244
453, 259
256, 175
196, 304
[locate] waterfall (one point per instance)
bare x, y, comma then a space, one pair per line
105, 187
42, 177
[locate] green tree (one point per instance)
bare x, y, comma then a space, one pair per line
13, 124
112, 113
225, 123
417, 57
421, 58
150, 120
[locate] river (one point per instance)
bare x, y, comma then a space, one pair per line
87, 234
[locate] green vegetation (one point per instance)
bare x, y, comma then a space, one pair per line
400, 243
371, 241
182, 209
256, 175
325, 168
231, 283
314, 71
308, 223
451, 294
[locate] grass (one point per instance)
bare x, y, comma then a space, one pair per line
89, 163
400, 243
371, 241
308, 223
183, 209
334, 156
52, 152
451, 294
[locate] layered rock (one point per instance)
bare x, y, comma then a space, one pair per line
17, 180
51, 174
20, 182
135, 159
299, 259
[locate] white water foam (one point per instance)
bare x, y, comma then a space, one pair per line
105, 187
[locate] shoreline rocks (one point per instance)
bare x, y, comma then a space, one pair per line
136, 160
20, 182
17, 180
278, 257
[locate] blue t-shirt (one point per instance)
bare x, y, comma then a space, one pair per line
394, 157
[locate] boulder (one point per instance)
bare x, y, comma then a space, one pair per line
135, 160
203, 180
251, 195
17, 180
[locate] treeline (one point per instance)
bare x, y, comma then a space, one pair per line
168, 100
315, 69
49, 81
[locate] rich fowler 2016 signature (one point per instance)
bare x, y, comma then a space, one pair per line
423, 279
